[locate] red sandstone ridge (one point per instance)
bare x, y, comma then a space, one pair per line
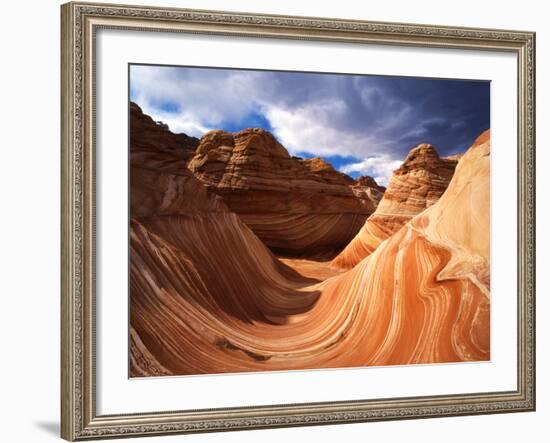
148, 139
160, 183
415, 185
294, 206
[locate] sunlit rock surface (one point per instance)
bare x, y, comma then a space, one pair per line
415, 186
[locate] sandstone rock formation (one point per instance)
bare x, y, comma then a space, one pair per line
208, 297
160, 183
149, 139
180, 231
294, 206
415, 185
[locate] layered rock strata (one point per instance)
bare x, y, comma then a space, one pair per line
295, 206
152, 144
160, 183
416, 185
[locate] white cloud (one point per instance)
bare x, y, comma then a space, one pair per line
308, 129
178, 122
205, 95
307, 113
380, 167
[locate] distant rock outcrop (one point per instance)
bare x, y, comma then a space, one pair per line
295, 206
365, 187
415, 185
369, 182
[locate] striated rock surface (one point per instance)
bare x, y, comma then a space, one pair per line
184, 241
152, 142
294, 206
208, 297
416, 185
160, 182
365, 187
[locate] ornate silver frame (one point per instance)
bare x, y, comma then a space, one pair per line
80, 21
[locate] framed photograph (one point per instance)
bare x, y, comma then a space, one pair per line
283, 221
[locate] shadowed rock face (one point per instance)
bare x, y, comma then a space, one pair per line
295, 206
208, 297
416, 185
160, 183
152, 142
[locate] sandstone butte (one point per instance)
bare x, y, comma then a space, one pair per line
295, 206
416, 185
207, 296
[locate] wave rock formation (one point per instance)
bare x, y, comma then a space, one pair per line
207, 295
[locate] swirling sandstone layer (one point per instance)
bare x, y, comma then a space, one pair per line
208, 297
294, 206
415, 186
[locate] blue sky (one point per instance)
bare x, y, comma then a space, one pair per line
363, 125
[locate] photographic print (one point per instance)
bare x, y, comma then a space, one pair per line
301, 220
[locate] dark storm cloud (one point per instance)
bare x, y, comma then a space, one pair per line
374, 119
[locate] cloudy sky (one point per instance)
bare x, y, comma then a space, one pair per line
363, 125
